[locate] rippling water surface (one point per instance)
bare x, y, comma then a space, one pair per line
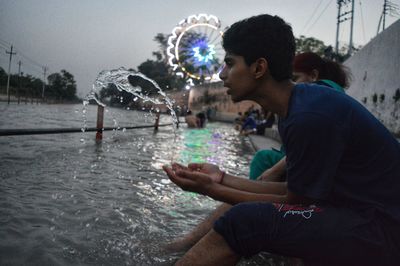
65, 200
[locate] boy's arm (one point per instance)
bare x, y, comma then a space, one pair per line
234, 196
275, 173
252, 191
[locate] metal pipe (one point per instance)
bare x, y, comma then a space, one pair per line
42, 131
100, 118
157, 122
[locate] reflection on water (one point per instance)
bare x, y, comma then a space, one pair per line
65, 200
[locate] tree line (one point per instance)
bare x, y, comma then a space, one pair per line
61, 87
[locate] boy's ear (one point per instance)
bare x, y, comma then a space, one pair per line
260, 67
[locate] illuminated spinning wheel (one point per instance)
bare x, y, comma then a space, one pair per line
194, 48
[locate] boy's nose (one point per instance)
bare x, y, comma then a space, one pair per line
222, 74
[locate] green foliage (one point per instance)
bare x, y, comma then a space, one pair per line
310, 44
24, 85
159, 69
115, 97
3, 76
62, 86
159, 72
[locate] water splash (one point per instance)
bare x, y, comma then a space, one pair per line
124, 80
121, 79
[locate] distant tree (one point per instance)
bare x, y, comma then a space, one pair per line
62, 86
3, 76
159, 69
310, 44
159, 72
162, 40
114, 97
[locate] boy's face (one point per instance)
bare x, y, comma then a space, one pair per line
237, 77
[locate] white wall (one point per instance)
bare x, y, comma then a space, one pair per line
376, 70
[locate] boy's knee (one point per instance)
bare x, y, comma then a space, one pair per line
246, 227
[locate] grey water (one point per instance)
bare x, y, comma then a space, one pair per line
67, 200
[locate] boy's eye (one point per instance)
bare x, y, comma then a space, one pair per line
228, 63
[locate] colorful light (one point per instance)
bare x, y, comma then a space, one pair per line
202, 54
209, 54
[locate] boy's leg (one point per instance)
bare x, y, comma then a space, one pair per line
190, 239
324, 236
212, 249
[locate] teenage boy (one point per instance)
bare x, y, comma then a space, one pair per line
341, 202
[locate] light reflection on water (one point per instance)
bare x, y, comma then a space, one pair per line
64, 201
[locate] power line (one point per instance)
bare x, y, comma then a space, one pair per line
311, 17
36, 67
4, 46
362, 21
389, 8
323, 11
30, 60
5, 43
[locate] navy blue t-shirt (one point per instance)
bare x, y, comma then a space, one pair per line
338, 153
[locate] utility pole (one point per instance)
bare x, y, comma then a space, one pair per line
338, 21
390, 9
342, 17
351, 28
44, 81
19, 80
384, 14
9, 70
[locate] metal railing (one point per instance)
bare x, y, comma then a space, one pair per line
98, 129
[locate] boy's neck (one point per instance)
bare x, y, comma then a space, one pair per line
275, 96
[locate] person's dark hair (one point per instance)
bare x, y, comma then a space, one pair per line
327, 69
263, 36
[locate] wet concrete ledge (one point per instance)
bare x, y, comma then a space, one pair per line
267, 141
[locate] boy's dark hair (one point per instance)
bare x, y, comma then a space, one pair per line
263, 36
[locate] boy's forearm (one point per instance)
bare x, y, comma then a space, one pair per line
258, 187
233, 196
276, 172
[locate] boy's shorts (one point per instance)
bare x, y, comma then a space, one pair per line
318, 235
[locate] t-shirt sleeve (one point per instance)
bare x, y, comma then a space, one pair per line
314, 149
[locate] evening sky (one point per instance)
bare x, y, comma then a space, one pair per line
87, 36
